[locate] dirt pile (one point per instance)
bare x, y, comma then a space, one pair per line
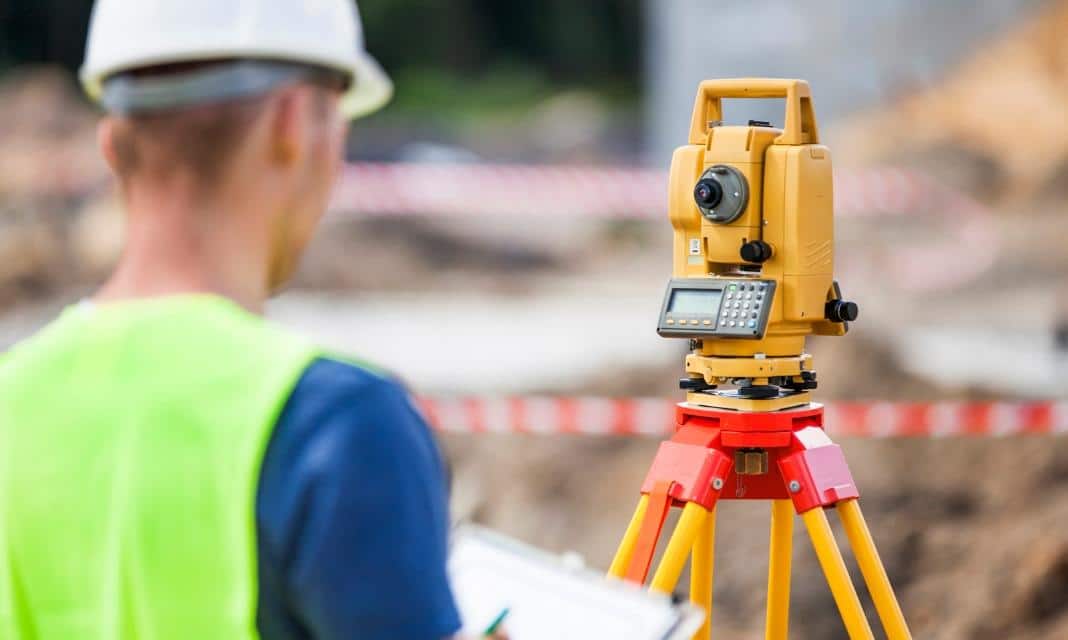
995, 124
48, 168
49, 138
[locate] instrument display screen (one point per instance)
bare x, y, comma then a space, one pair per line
716, 307
696, 301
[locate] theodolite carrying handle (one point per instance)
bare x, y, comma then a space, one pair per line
799, 126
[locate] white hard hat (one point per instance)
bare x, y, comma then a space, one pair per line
126, 35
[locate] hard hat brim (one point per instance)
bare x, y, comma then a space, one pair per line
371, 86
371, 89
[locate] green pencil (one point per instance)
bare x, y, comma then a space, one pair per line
497, 622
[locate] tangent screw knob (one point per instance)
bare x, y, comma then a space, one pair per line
756, 251
841, 311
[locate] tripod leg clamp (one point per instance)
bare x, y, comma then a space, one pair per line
817, 475
698, 473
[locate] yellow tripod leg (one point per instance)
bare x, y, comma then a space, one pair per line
630, 538
834, 568
779, 560
678, 548
871, 567
702, 568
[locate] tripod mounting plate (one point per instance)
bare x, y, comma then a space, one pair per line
730, 400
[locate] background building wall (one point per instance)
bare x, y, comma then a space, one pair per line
854, 53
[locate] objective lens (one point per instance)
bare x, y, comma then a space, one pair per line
708, 193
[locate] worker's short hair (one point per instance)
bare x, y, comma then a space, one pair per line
197, 137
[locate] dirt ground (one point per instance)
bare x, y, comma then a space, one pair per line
971, 531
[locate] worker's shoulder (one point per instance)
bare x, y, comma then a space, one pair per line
333, 385
338, 408
347, 376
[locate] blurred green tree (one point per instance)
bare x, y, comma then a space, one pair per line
558, 41
43, 31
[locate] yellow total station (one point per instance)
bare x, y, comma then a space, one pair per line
752, 209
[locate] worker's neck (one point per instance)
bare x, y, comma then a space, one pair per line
177, 243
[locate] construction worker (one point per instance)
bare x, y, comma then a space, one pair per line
172, 465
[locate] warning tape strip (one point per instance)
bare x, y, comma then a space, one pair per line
655, 417
531, 191
611, 192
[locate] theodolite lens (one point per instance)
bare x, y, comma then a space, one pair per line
708, 193
721, 193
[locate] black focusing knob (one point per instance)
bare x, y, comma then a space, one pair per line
708, 193
756, 251
841, 311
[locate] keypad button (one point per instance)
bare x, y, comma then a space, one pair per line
752, 324
734, 314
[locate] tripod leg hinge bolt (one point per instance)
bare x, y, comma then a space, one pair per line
717, 483
795, 486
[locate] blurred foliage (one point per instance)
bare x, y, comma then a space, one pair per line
43, 31
460, 56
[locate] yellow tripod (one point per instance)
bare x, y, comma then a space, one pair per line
781, 456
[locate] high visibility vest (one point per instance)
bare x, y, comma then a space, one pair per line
131, 437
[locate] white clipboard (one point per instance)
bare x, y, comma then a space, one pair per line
548, 600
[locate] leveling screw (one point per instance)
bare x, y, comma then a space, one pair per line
795, 486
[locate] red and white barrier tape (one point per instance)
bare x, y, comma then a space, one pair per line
500, 189
655, 417
459, 190
598, 192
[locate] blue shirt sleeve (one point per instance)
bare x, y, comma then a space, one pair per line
352, 515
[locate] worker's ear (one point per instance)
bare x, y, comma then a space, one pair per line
287, 126
105, 139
